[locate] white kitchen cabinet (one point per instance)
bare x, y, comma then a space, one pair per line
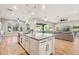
37, 45
50, 43
46, 46
25, 42
34, 47
41, 47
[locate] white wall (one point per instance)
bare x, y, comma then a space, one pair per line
5, 22
68, 23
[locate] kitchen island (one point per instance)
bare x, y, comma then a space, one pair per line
38, 43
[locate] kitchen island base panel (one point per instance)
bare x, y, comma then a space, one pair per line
27, 52
37, 45
24, 49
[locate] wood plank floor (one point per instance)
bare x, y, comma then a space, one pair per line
8, 47
67, 48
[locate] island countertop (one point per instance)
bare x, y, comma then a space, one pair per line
39, 36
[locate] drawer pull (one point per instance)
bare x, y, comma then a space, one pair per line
49, 39
43, 41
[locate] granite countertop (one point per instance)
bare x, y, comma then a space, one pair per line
39, 36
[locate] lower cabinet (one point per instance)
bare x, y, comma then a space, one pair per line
42, 47
46, 46
25, 42
34, 47
51, 45
37, 47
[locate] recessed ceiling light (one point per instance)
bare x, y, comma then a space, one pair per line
45, 19
43, 6
14, 7
26, 21
75, 12
35, 21
12, 14
33, 13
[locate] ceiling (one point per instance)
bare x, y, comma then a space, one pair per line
50, 12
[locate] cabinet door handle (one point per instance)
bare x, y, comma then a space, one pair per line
47, 47
21, 40
26, 40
